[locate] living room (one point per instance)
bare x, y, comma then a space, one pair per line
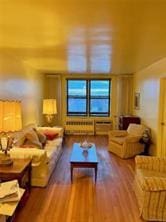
42, 45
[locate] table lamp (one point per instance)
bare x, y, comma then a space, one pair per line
49, 109
10, 121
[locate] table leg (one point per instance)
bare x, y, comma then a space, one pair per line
95, 173
71, 173
29, 178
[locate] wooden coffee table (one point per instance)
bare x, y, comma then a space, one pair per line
81, 159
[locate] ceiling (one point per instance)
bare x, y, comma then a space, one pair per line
84, 36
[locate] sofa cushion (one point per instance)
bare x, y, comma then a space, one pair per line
52, 146
27, 146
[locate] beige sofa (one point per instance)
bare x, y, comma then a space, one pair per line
125, 143
150, 187
43, 160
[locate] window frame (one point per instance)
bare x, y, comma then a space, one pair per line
88, 98
77, 97
99, 114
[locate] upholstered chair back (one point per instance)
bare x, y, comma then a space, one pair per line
135, 129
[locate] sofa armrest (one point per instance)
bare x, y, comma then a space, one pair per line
37, 156
118, 133
151, 163
154, 184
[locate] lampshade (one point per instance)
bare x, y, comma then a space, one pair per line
49, 106
10, 116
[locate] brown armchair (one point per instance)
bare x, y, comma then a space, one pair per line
125, 143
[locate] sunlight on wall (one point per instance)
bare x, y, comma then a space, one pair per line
15, 87
149, 95
21, 83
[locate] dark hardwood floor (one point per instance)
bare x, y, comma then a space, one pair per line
111, 199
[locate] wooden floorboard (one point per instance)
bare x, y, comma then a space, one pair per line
111, 199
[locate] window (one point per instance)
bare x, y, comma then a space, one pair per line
99, 98
77, 97
88, 97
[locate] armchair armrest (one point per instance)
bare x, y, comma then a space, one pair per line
118, 133
132, 139
151, 163
154, 184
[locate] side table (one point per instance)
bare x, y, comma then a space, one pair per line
147, 144
20, 170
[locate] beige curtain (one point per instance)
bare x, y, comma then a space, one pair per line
126, 95
122, 97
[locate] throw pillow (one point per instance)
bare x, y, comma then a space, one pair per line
50, 135
19, 138
42, 138
31, 138
33, 144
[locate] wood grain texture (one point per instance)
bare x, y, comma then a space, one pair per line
111, 199
16, 168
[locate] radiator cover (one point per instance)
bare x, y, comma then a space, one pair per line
79, 127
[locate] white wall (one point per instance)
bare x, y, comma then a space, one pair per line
147, 83
18, 82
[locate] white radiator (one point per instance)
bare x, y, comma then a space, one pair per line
79, 126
